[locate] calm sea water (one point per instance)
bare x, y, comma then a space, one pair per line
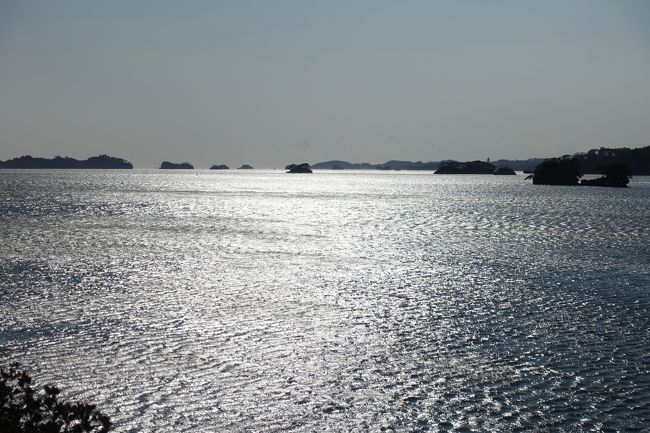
340, 301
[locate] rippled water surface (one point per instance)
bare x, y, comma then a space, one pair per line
348, 301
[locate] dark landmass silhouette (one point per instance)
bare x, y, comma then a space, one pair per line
327, 165
338, 164
58, 162
518, 164
566, 170
527, 164
220, 167
298, 168
394, 164
166, 165
615, 175
505, 171
245, 167
636, 160
469, 167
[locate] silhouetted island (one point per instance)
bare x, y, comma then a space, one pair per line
557, 171
166, 165
298, 168
505, 171
220, 167
245, 167
95, 162
469, 167
636, 160
615, 175
567, 170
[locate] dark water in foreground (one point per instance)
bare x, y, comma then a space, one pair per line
348, 301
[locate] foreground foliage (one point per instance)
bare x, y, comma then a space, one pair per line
26, 410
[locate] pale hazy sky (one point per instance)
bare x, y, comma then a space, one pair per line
271, 82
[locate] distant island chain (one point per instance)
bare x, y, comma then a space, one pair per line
616, 165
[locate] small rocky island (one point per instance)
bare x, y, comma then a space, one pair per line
298, 168
166, 165
469, 167
220, 167
245, 167
59, 162
505, 171
567, 170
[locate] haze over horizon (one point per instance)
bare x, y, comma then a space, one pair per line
268, 83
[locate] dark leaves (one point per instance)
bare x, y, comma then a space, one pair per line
25, 410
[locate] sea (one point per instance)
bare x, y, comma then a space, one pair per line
340, 301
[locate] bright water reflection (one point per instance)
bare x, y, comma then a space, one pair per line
249, 301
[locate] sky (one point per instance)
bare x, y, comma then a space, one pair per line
273, 82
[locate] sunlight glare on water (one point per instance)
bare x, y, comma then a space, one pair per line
354, 301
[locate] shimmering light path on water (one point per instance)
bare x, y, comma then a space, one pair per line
354, 301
